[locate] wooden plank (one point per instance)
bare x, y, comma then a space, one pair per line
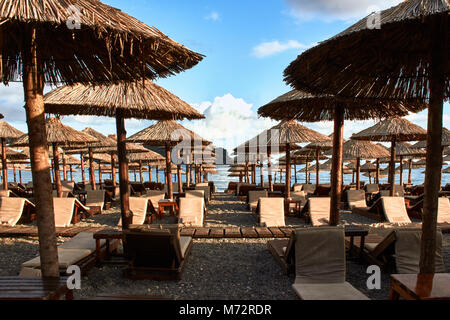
233, 233
287, 231
277, 233
201, 233
249, 232
263, 232
216, 233
187, 232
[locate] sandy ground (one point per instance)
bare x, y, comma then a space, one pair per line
239, 269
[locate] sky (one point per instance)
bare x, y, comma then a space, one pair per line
247, 45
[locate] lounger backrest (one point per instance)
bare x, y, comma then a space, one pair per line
309, 188
195, 194
407, 251
443, 210
155, 196
139, 208
271, 212
356, 198
202, 184
320, 255
65, 194
95, 198
372, 188
398, 191
299, 195
11, 210
64, 209
319, 211
206, 189
5, 193
67, 186
253, 197
88, 187
395, 210
298, 187
192, 211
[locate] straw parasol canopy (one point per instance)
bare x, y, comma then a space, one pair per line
134, 99
403, 54
445, 140
7, 132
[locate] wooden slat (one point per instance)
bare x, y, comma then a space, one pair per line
187, 232
249, 232
201, 233
277, 233
263, 232
287, 231
233, 233
216, 233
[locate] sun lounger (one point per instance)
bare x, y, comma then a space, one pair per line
284, 253
154, 196
192, 212
13, 210
141, 209
309, 188
401, 245
297, 196
443, 211
398, 191
195, 194
65, 194
80, 251
67, 185
317, 211
95, 200
356, 198
395, 210
207, 191
298, 187
372, 188
253, 197
68, 211
374, 212
270, 212
156, 254
320, 265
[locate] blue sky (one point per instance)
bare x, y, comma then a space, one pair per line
247, 45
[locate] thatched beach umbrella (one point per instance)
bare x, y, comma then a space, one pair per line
405, 150
105, 44
405, 54
147, 157
167, 134
303, 106
7, 132
392, 130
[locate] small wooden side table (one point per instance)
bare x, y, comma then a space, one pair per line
420, 286
162, 204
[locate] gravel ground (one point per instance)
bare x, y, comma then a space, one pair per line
222, 269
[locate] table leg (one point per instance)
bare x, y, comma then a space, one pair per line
361, 249
97, 249
393, 294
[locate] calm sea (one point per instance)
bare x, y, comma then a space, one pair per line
221, 179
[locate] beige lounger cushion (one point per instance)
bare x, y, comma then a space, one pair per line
253, 197
67, 186
395, 210
407, 251
11, 210
206, 189
328, 291
5, 193
372, 188
192, 211
309, 188
64, 209
138, 207
66, 258
443, 210
30, 272
271, 212
65, 193
95, 198
83, 240
184, 244
356, 198
155, 196
398, 192
319, 211
195, 194
298, 187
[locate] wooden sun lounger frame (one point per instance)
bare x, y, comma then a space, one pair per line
286, 259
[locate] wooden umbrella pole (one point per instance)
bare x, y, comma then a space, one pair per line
113, 169
392, 168
377, 175
71, 172
288, 171
14, 173
83, 176
20, 176
306, 171
169, 173
434, 144
127, 215
100, 175
149, 172
317, 168
157, 174
358, 173
135, 176
91, 168
401, 170
336, 165
53, 172
269, 169
180, 184
4, 165
295, 170
261, 173
141, 173
56, 168
33, 82
409, 171
254, 173
64, 167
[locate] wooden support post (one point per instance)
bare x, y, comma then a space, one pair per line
392, 168
141, 173
336, 172
100, 175
288, 171
113, 169
56, 168
64, 167
261, 173
91, 168
127, 216
71, 172
269, 170
377, 176
358, 173
410, 171
169, 173
317, 168
179, 179
401, 170
4, 165
157, 174
83, 176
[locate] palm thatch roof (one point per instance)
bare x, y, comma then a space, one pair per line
59, 133
368, 167
166, 132
353, 149
103, 143
353, 63
145, 156
326, 166
134, 99
445, 140
109, 44
397, 129
303, 106
14, 155
7, 131
406, 150
446, 170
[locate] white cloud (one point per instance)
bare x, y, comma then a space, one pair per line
266, 49
214, 16
229, 122
330, 10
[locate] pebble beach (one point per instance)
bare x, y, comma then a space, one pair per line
219, 269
